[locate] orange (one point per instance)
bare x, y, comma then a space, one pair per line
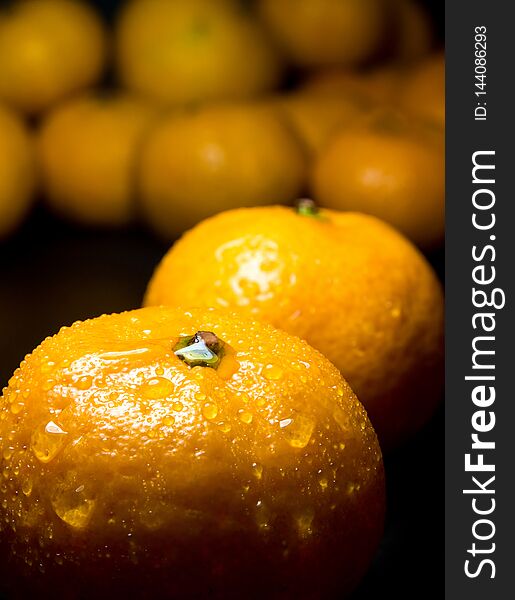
317, 117
325, 32
349, 284
182, 51
48, 49
241, 466
200, 162
17, 170
424, 89
88, 150
413, 31
391, 166
374, 86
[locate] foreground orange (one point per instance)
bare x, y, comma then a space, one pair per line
160, 453
17, 170
349, 284
188, 51
48, 50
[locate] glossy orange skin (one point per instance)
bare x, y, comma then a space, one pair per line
316, 33
49, 49
197, 163
424, 90
391, 166
17, 170
88, 150
179, 52
349, 284
263, 478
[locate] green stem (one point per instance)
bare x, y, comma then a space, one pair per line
307, 208
203, 349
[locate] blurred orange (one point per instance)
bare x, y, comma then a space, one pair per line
88, 150
413, 34
199, 162
317, 117
48, 49
326, 32
424, 89
17, 170
374, 86
391, 166
181, 51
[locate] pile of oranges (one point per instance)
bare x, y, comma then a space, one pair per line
225, 441
213, 105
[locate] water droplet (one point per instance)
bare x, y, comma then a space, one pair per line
210, 411
77, 516
304, 523
17, 407
341, 418
168, 421
257, 470
26, 486
178, 406
200, 396
73, 505
229, 364
245, 417
7, 453
262, 516
47, 385
298, 431
47, 441
273, 372
224, 427
323, 483
248, 287
350, 488
339, 391
157, 388
159, 371
84, 383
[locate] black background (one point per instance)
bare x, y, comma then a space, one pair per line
53, 273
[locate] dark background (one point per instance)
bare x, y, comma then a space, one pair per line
53, 273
